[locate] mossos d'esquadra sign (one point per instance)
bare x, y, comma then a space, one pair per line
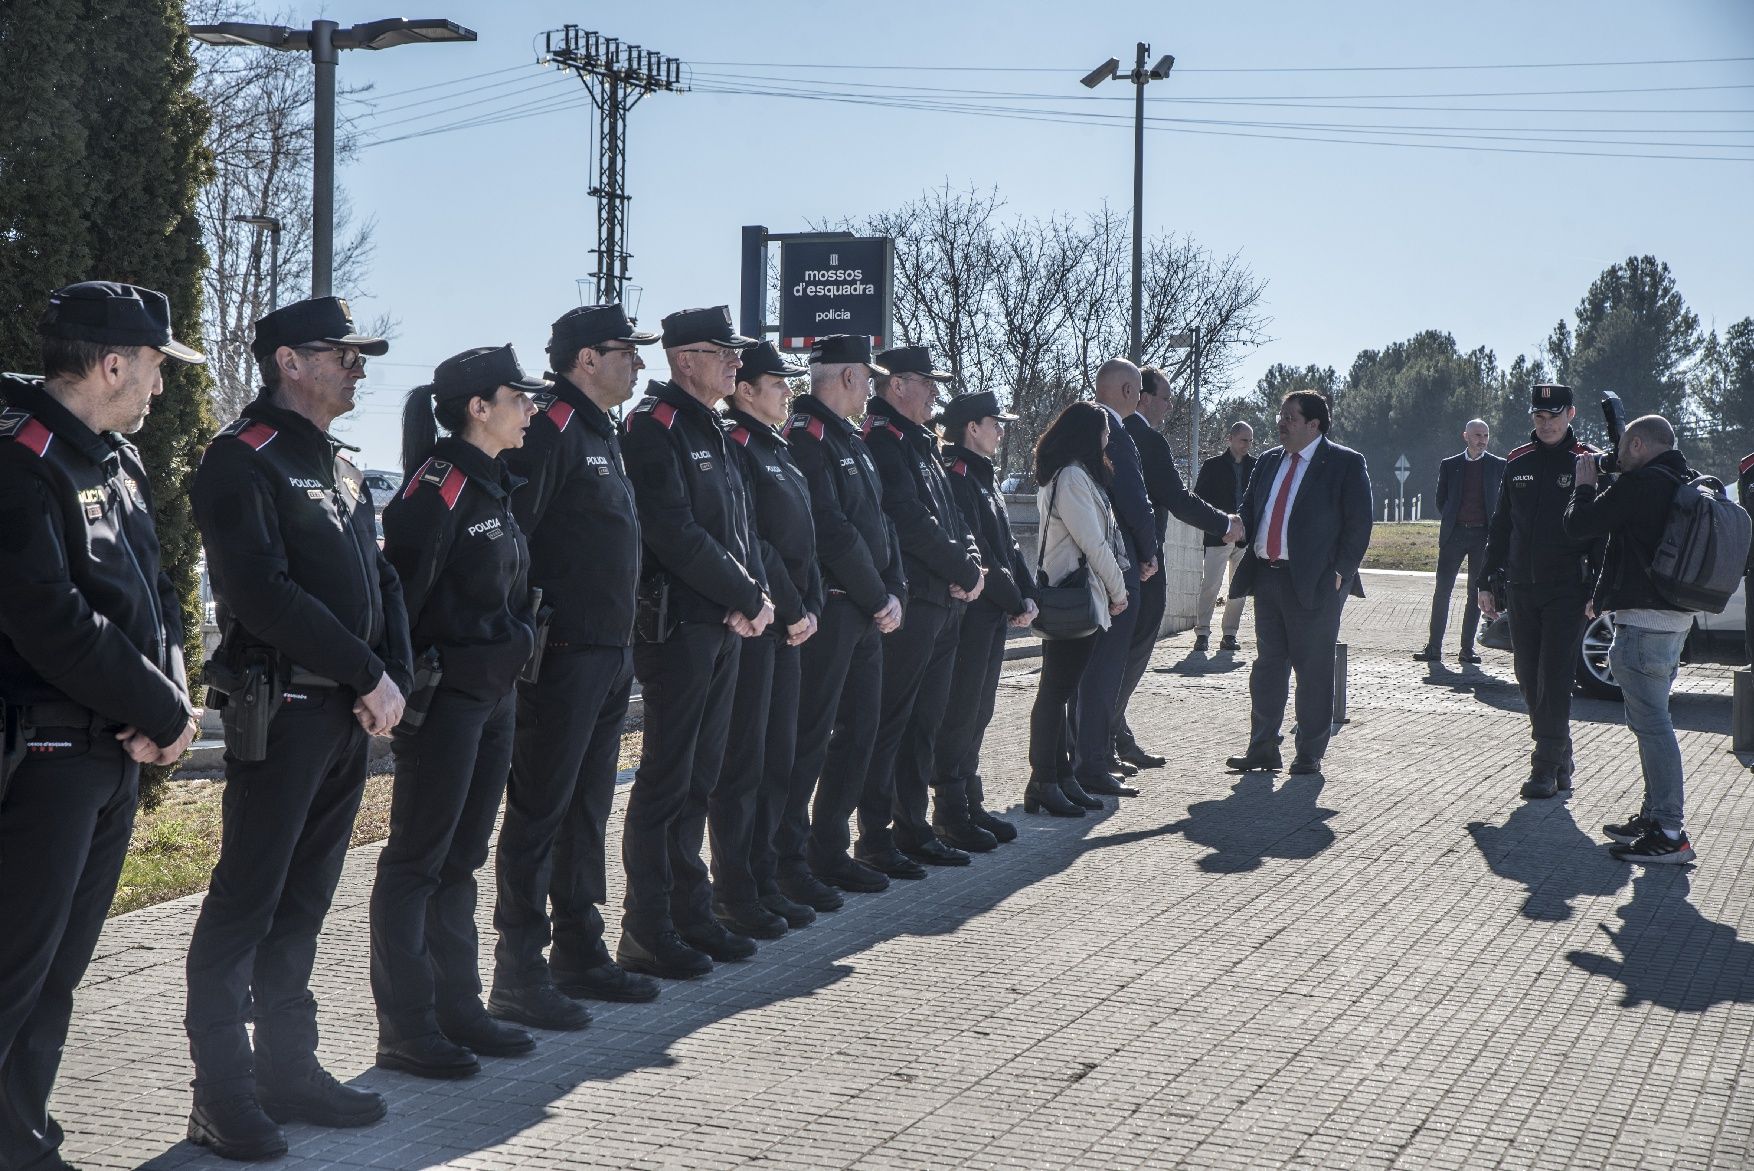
834, 286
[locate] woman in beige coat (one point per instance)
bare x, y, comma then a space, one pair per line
1077, 528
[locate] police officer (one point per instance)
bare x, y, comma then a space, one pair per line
842, 664
313, 632
465, 569
754, 785
974, 426
1547, 579
1745, 495
91, 668
702, 591
578, 512
944, 571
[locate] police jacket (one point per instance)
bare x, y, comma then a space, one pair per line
465, 568
87, 616
693, 508
1164, 488
1745, 497
784, 530
1631, 514
983, 505
938, 548
1216, 485
292, 550
855, 541
1527, 541
577, 512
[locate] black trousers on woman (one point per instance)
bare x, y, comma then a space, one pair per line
974, 686
450, 777
1063, 661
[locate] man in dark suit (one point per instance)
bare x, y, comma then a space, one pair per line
1221, 483
1467, 492
1099, 692
1307, 515
1163, 487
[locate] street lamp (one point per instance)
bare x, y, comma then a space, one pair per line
1140, 77
323, 41
260, 222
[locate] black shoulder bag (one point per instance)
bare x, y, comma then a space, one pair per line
1066, 610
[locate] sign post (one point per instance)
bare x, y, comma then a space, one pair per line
1402, 470
829, 282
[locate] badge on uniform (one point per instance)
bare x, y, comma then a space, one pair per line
92, 501
134, 492
706, 465
1565, 480
314, 493
850, 464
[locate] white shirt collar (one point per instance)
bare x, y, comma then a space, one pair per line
1472, 458
1309, 452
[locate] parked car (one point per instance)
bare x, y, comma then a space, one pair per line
1018, 482
1715, 638
384, 486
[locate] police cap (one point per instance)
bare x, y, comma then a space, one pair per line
115, 314
913, 360
838, 349
320, 319
687, 326
765, 359
972, 408
1549, 396
592, 325
481, 372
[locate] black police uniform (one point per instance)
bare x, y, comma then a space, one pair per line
91, 641
578, 512
842, 664
287, 524
1548, 577
754, 786
700, 550
1169, 497
1745, 494
980, 652
938, 550
464, 567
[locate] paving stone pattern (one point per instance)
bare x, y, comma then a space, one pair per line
1401, 964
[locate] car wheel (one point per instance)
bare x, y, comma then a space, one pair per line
1595, 677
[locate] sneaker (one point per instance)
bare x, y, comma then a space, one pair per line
1656, 847
1631, 829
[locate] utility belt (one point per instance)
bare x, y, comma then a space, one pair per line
248, 688
20, 722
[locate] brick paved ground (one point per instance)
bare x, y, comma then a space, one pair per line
1402, 964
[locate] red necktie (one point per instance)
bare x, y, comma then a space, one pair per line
1276, 526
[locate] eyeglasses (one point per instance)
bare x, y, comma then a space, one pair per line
349, 357
720, 352
616, 349
1545, 416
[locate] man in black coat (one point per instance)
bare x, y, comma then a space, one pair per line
1221, 483
1467, 494
1745, 494
1307, 516
1163, 486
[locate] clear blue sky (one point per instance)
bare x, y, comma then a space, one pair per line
482, 233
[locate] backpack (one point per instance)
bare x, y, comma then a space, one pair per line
1704, 551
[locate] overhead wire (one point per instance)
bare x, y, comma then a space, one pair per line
842, 66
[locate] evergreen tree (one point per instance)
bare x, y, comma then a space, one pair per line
1635, 336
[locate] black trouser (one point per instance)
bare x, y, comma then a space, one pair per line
1153, 597
450, 777
286, 823
687, 682
1063, 665
562, 785
1466, 541
731, 808
782, 807
1099, 693
842, 685
968, 709
64, 827
1546, 633
1292, 638
1748, 615
909, 655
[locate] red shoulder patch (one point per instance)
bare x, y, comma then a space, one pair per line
452, 488
740, 433
35, 436
1747, 465
960, 467
1523, 450
561, 413
258, 435
665, 413
414, 480
865, 427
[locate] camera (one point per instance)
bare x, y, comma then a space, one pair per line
1614, 416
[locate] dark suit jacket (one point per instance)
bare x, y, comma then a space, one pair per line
1163, 485
1127, 494
1449, 489
1329, 525
1216, 485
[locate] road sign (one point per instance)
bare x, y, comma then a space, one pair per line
835, 286
1403, 469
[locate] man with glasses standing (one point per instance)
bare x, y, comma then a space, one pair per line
1547, 578
702, 590
577, 509
314, 631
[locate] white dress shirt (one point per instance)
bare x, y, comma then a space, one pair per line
1290, 490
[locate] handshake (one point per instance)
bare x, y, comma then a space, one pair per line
1234, 534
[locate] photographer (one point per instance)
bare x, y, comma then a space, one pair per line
1649, 631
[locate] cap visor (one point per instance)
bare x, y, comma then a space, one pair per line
530, 384
182, 353
879, 371
940, 376
640, 339
371, 347
1004, 418
735, 342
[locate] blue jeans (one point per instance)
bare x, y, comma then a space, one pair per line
1644, 663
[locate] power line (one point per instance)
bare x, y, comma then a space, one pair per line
521, 83
840, 67
396, 93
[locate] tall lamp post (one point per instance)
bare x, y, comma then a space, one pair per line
272, 225
323, 41
1140, 77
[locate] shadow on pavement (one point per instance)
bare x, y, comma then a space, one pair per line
1258, 821
1691, 711
1671, 955
435, 1123
1542, 849
1199, 663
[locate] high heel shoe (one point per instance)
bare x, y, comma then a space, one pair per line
1044, 798
1075, 793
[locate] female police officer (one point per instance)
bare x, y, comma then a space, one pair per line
465, 567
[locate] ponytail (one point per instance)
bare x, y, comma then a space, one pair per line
419, 429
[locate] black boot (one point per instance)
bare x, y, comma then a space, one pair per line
234, 1126
1044, 797
1075, 793
306, 1092
1001, 829
951, 822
